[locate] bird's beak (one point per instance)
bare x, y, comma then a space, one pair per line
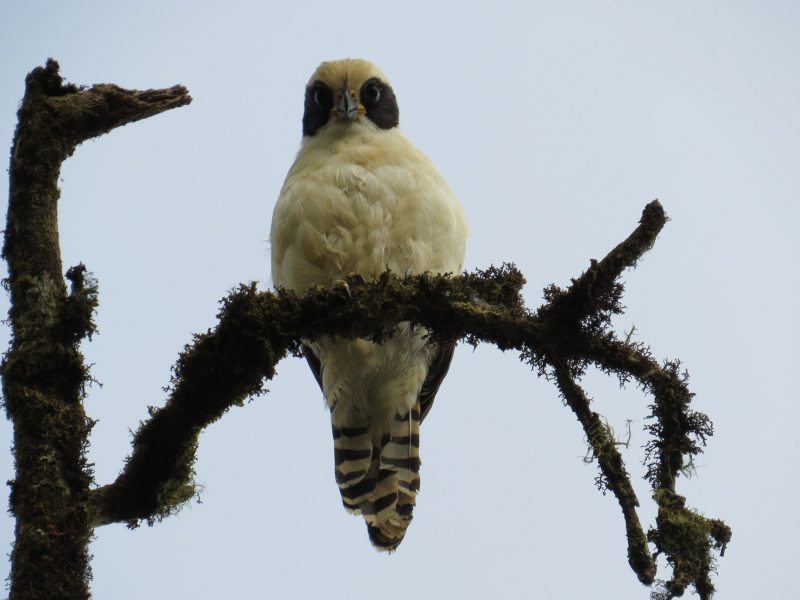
347, 105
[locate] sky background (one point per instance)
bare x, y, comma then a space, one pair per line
555, 123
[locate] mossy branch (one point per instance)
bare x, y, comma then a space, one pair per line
613, 474
257, 329
44, 372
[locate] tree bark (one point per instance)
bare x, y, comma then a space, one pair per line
43, 372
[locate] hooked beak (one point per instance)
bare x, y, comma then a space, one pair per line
347, 105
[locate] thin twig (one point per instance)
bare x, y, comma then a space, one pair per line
612, 467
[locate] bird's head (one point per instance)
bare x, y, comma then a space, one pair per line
347, 91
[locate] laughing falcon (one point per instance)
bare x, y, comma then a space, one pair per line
361, 199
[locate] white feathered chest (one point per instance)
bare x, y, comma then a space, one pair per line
363, 202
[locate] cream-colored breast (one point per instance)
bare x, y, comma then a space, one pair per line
361, 201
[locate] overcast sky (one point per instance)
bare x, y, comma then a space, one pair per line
555, 123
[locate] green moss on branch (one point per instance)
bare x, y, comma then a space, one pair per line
44, 374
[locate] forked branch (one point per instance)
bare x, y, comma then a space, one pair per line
44, 373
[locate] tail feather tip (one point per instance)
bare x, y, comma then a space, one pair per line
383, 542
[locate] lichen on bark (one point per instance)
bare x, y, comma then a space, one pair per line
44, 374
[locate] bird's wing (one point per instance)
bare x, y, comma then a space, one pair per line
436, 372
314, 363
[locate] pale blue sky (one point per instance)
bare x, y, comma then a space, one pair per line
555, 123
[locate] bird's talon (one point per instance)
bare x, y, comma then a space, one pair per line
341, 283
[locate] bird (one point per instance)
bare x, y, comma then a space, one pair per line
361, 199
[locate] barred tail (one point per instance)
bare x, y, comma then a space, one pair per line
355, 474
380, 481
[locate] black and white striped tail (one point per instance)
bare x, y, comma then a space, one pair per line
380, 479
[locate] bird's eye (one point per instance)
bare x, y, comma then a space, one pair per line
371, 94
319, 97
380, 103
318, 104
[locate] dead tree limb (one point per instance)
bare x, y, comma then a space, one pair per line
44, 374
43, 371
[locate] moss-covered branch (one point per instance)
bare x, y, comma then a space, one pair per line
44, 373
257, 329
613, 474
